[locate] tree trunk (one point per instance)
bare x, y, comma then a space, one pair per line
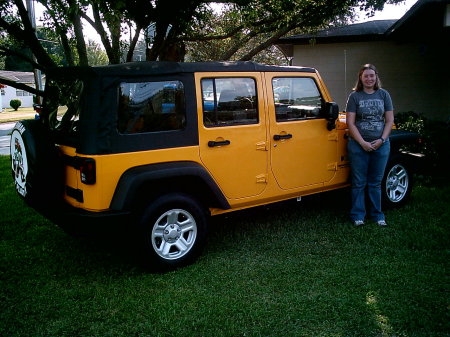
27, 36
133, 43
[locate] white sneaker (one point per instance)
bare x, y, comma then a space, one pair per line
358, 222
381, 223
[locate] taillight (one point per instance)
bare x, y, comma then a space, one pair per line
87, 170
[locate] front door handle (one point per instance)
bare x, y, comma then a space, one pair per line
213, 143
278, 137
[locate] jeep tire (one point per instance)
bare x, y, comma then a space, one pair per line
397, 183
173, 231
35, 165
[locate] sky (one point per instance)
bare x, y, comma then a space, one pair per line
389, 12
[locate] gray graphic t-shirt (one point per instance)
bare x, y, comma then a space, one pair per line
369, 109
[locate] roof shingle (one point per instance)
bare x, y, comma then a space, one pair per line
17, 76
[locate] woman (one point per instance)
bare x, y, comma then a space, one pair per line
370, 117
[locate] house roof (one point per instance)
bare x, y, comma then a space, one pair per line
17, 76
355, 32
425, 18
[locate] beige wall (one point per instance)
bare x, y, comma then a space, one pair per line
416, 75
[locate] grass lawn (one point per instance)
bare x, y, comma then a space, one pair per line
10, 115
293, 269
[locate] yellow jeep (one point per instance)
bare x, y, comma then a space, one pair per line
158, 147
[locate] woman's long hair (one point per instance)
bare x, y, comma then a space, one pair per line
359, 86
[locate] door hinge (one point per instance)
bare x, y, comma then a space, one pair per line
332, 167
333, 136
261, 178
261, 146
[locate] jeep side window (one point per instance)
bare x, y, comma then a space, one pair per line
296, 98
229, 101
151, 107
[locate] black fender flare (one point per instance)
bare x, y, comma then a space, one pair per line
402, 137
130, 182
398, 138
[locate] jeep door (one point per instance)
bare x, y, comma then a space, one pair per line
232, 131
303, 151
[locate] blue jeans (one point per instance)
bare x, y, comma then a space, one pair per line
367, 170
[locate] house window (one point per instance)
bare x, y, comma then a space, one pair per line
23, 93
2, 91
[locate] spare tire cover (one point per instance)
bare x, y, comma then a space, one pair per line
19, 159
35, 164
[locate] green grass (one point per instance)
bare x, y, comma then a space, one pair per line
293, 269
10, 115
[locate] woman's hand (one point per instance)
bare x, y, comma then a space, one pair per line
371, 146
367, 146
376, 144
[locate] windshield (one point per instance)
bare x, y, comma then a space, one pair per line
61, 108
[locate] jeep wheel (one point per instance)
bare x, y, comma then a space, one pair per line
174, 231
35, 165
397, 183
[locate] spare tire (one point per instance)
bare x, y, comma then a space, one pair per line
36, 167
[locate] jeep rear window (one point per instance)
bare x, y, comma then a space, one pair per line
296, 98
229, 101
62, 106
151, 107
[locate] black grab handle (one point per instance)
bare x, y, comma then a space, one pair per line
212, 143
278, 137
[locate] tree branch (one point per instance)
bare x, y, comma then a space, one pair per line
62, 32
267, 43
74, 13
28, 36
133, 44
203, 38
97, 25
233, 50
7, 51
21, 86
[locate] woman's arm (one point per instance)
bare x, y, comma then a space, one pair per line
388, 123
354, 133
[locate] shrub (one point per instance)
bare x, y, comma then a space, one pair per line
410, 121
15, 103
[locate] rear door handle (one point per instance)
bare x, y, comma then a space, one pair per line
213, 143
278, 137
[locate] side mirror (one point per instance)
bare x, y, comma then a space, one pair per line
331, 114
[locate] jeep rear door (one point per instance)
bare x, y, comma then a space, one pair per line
232, 131
303, 151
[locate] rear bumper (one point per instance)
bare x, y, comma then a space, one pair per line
80, 220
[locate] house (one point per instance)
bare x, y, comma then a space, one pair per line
8, 93
411, 54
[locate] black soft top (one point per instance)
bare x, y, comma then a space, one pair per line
97, 127
164, 68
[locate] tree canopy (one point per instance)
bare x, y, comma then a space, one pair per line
240, 30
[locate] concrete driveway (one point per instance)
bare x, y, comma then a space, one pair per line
5, 130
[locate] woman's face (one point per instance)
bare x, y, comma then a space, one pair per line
368, 78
